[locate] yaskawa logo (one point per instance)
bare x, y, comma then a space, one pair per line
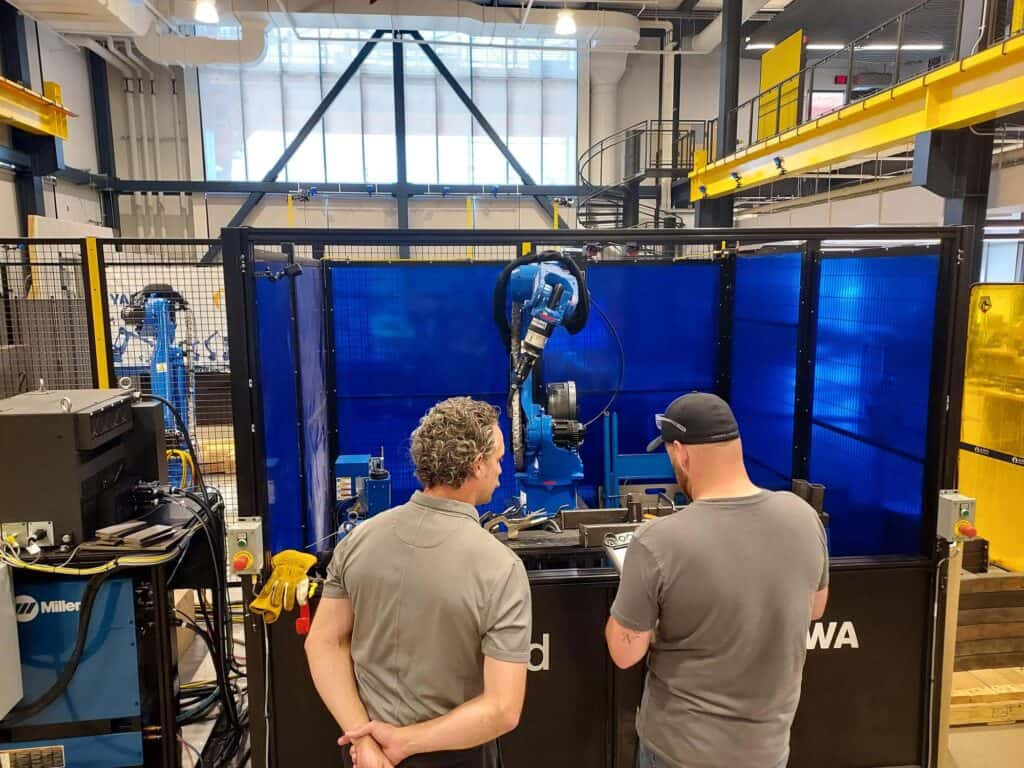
832, 635
26, 607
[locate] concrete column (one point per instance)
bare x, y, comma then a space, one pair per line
606, 69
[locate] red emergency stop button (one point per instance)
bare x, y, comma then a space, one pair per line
965, 529
242, 561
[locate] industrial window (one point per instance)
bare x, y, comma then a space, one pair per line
525, 88
1001, 262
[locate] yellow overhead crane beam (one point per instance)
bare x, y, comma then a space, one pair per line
24, 108
981, 87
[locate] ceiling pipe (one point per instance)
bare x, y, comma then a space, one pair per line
149, 220
157, 140
709, 38
116, 61
171, 50
103, 53
526, 13
613, 28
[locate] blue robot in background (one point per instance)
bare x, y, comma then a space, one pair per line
153, 312
535, 295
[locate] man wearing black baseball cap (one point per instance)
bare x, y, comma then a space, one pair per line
721, 593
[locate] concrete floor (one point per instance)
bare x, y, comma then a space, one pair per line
987, 746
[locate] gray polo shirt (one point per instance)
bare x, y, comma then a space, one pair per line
432, 593
727, 586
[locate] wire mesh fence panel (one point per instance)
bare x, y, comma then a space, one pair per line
44, 318
169, 335
361, 253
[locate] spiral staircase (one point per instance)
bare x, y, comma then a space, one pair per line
612, 172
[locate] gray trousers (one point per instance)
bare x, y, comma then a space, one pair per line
646, 758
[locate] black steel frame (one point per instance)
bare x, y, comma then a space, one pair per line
99, 87
810, 274
947, 365
275, 170
483, 122
401, 190
726, 312
118, 186
945, 387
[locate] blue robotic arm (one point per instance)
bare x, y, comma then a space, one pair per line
547, 295
154, 313
546, 291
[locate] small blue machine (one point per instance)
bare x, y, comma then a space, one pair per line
362, 489
105, 687
544, 291
153, 312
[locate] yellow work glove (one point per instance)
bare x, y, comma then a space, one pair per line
289, 572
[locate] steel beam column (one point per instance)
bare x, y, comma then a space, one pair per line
719, 213
484, 124
402, 188
104, 136
631, 204
14, 45
254, 198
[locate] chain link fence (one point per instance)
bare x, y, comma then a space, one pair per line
169, 335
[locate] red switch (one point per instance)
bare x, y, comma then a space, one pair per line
242, 561
965, 529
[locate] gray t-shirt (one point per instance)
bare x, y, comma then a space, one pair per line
727, 587
432, 593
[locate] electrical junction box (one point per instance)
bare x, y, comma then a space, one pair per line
956, 516
245, 546
347, 472
10, 656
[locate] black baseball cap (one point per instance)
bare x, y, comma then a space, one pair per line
695, 419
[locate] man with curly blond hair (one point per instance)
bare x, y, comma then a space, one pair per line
420, 644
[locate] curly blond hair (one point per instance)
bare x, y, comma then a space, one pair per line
451, 436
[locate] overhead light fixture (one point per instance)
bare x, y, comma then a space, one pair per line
206, 12
760, 46
566, 24
825, 46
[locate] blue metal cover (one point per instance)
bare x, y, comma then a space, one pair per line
106, 684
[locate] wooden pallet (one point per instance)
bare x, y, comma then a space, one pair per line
990, 633
987, 697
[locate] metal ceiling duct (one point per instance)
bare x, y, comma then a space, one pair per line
89, 17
